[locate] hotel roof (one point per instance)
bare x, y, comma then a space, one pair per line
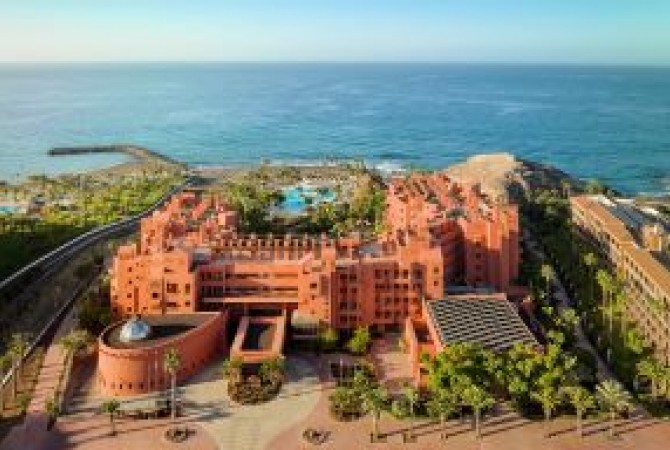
616, 227
163, 328
492, 322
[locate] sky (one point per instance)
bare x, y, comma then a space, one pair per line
633, 32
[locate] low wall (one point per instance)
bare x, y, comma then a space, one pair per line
134, 371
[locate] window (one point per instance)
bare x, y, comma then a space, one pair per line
187, 288
171, 288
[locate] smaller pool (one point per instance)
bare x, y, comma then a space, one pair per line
298, 198
9, 209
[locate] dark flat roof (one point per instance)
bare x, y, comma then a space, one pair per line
493, 323
163, 327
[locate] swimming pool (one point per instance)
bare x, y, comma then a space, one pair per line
300, 197
9, 209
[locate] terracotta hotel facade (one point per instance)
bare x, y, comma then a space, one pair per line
191, 261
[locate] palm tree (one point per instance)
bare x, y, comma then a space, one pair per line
23, 400
374, 400
111, 407
231, 369
606, 283
651, 369
412, 397
6, 361
172, 363
547, 273
582, 401
74, 342
443, 404
477, 399
52, 408
272, 370
17, 347
613, 398
590, 260
550, 399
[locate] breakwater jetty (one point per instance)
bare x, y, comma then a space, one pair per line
137, 152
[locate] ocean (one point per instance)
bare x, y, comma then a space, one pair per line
610, 123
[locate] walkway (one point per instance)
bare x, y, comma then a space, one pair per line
216, 422
604, 371
251, 427
33, 433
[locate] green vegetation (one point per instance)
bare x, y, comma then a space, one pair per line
478, 400
600, 293
523, 374
93, 313
442, 404
351, 399
362, 210
17, 349
111, 407
614, 399
581, 401
23, 400
253, 388
253, 202
52, 408
172, 364
360, 341
374, 400
74, 343
328, 339
66, 206
231, 369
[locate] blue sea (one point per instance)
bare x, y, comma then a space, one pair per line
611, 123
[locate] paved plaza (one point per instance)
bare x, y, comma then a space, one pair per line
217, 423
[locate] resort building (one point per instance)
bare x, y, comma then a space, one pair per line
635, 242
191, 259
479, 239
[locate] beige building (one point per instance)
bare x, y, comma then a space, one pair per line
635, 242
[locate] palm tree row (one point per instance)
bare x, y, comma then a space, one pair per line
658, 376
12, 361
601, 292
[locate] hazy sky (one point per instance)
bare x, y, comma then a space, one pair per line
579, 31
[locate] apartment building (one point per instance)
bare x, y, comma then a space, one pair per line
634, 241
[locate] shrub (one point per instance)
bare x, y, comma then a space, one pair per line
328, 340
360, 341
254, 390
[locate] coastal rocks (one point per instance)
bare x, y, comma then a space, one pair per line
505, 178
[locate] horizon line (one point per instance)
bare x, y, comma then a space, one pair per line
344, 62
